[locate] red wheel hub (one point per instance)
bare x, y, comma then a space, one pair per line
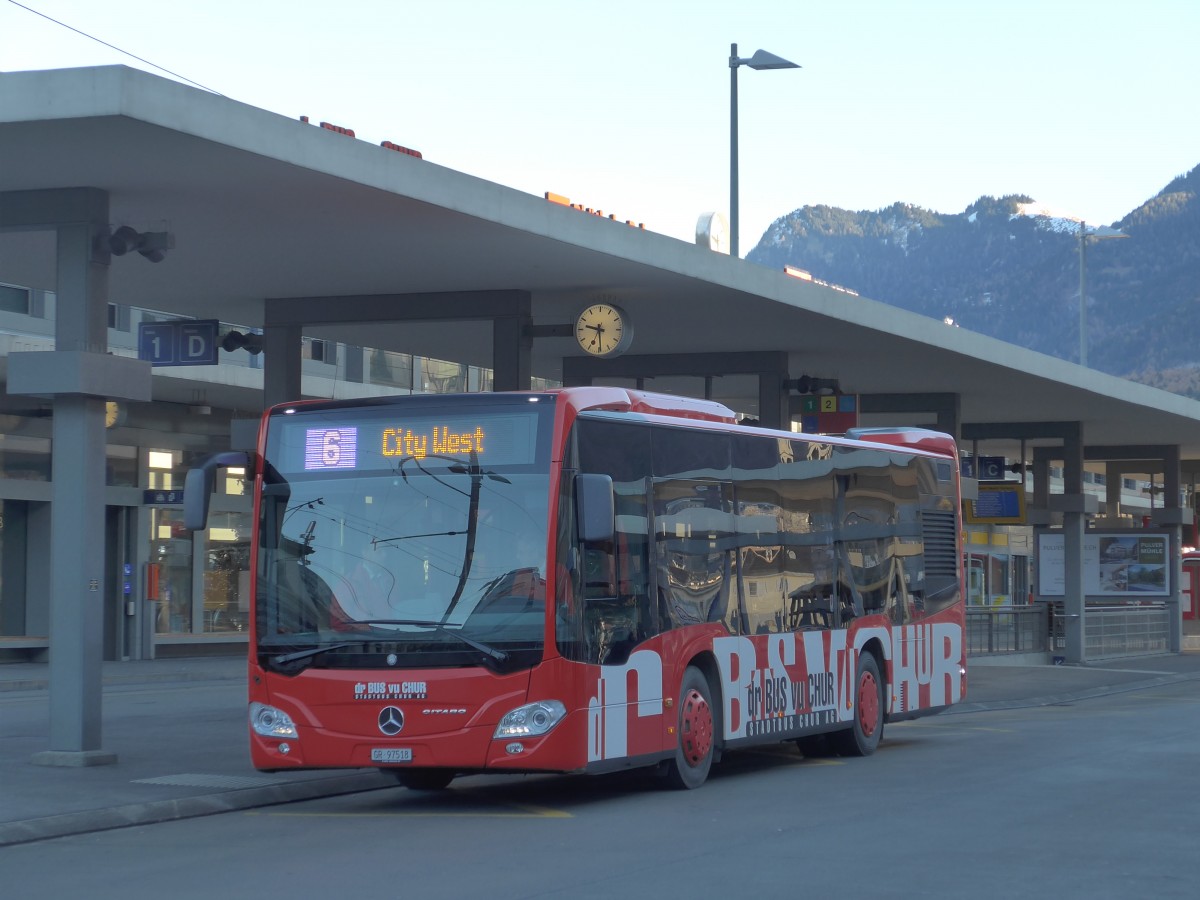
696, 728
868, 704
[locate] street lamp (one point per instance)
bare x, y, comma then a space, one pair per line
760, 60
1103, 233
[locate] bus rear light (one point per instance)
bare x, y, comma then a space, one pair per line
271, 722
531, 720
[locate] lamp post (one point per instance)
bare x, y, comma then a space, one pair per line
1103, 233
760, 60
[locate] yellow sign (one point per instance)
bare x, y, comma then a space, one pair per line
440, 441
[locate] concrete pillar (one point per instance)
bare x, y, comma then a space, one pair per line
76, 583
1113, 475
79, 375
774, 403
1041, 479
281, 363
512, 346
1074, 524
1172, 517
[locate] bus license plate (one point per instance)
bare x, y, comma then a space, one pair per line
391, 754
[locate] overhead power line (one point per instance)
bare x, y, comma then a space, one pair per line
92, 37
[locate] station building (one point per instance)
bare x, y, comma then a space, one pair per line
358, 271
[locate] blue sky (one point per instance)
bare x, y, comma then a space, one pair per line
1088, 107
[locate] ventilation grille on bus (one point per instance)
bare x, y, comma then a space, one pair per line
941, 543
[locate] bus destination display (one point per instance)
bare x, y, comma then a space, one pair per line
353, 442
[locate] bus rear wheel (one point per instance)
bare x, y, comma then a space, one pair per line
863, 736
424, 779
697, 733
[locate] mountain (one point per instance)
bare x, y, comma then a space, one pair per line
1009, 268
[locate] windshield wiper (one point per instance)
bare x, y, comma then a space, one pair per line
491, 652
312, 651
375, 542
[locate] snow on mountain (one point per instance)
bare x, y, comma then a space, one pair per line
1049, 218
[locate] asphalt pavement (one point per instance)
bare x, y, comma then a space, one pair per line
177, 729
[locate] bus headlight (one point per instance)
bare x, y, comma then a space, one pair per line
271, 722
531, 720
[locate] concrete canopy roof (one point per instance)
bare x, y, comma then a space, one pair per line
262, 206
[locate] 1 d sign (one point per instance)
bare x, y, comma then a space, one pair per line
186, 343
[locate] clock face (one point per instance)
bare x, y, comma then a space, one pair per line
604, 330
712, 231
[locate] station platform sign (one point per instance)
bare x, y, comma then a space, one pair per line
191, 342
828, 413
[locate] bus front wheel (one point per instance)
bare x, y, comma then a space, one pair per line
696, 731
863, 736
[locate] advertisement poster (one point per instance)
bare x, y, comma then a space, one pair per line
1114, 565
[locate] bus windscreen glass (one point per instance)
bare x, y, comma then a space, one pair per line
426, 524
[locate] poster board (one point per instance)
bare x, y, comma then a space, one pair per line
1120, 564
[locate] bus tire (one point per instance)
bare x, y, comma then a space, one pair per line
866, 729
423, 779
697, 733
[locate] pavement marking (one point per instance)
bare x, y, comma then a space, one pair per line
525, 812
947, 727
219, 781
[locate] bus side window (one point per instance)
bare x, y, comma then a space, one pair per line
599, 581
614, 575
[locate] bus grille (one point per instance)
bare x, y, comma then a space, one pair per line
941, 543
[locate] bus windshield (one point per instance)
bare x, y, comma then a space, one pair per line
429, 544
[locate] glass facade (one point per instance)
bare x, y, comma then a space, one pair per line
171, 568
197, 583
226, 599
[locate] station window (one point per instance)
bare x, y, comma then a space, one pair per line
118, 317
171, 556
24, 457
319, 350
14, 299
226, 598
120, 466
391, 369
234, 483
161, 466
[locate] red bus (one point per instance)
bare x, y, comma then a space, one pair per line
588, 580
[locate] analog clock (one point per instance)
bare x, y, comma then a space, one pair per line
604, 330
712, 231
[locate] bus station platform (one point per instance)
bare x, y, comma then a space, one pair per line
177, 729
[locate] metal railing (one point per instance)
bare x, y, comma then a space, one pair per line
1118, 630
1007, 629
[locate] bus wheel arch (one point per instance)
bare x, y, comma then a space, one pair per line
698, 726
868, 697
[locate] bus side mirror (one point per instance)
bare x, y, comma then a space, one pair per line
595, 511
198, 486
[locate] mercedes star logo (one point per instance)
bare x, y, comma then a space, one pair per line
391, 720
